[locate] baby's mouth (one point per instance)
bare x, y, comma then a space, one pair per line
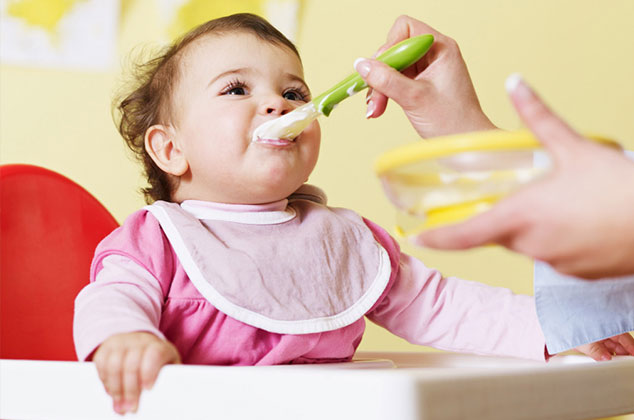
274, 142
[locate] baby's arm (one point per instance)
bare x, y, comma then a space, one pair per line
130, 362
118, 315
459, 315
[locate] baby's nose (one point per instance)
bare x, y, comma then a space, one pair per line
277, 105
275, 110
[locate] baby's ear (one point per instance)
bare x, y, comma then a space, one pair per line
160, 144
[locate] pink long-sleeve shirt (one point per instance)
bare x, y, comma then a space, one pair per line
139, 284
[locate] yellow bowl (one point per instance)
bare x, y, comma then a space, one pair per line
449, 179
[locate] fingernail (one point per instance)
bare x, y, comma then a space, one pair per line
606, 357
128, 406
117, 407
362, 66
370, 109
512, 82
415, 240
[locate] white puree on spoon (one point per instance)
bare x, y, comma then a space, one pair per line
286, 127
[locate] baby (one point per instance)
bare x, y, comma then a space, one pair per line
237, 261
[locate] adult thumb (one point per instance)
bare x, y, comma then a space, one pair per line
388, 81
554, 133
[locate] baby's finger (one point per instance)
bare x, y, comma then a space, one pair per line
112, 380
131, 380
99, 360
155, 356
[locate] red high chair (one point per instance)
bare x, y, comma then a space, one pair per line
49, 228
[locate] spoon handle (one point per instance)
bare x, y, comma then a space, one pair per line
399, 56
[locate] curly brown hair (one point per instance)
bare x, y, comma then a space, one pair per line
148, 101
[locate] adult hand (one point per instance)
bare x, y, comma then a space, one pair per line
619, 345
436, 93
578, 218
130, 362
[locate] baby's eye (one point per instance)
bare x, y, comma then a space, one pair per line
294, 95
236, 87
236, 91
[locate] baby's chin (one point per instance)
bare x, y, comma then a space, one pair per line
271, 193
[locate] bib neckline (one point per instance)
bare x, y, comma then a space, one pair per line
253, 214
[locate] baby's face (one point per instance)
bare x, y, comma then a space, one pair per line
229, 85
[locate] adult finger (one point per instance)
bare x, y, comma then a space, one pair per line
375, 101
384, 81
620, 350
627, 342
556, 135
131, 380
493, 226
390, 82
597, 351
405, 27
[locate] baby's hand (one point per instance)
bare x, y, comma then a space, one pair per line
622, 344
129, 362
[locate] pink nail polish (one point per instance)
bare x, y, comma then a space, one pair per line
512, 82
362, 66
370, 109
415, 240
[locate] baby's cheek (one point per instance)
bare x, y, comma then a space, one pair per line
315, 128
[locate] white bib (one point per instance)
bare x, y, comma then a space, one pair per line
306, 269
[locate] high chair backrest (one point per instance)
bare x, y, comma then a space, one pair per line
49, 228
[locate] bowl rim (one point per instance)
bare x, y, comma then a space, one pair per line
488, 140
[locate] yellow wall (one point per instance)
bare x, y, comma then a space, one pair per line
579, 54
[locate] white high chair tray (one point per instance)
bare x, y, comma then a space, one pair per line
400, 386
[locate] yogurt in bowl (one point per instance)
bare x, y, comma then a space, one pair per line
450, 179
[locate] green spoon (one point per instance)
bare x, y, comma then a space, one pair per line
288, 126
